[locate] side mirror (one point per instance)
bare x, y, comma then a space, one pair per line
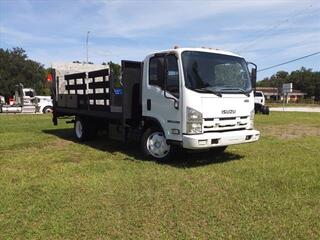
175, 101
253, 77
253, 74
176, 104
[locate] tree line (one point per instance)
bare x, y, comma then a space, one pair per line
304, 79
16, 67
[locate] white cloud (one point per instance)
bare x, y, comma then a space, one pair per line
131, 29
15, 37
135, 18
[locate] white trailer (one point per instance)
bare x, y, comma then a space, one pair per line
195, 98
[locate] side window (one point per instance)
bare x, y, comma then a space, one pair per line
29, 93
172, 75
156, 71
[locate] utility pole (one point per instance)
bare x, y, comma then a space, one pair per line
87, 46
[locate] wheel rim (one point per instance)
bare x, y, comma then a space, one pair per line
157, 145
79, 129
48, 110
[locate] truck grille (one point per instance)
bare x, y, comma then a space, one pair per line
225, 124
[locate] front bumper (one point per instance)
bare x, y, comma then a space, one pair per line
210, 140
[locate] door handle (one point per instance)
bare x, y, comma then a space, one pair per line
148, 104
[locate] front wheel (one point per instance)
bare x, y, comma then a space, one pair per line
47, 109
154, 145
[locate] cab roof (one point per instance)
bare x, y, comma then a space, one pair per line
202, 49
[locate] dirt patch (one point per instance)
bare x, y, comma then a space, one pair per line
289, 131
60, 143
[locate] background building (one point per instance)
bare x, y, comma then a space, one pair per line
275, 94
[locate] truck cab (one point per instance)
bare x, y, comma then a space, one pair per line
202, 98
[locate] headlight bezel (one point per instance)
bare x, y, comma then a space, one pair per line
251, 120
194, 121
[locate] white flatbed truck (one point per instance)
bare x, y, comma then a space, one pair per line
196, 98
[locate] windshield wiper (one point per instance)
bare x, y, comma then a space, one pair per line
237, 89
205, 90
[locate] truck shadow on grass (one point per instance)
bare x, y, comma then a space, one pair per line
181, 159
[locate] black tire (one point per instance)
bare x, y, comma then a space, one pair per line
87, 130
47, 109
156, 151
267, 110
258, 108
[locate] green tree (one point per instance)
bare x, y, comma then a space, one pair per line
116, 71
15, 68
303, 79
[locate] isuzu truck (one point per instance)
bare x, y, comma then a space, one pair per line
194, 98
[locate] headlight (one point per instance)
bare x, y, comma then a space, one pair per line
194, 121
251, 123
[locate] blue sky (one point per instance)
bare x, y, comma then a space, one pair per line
264, 32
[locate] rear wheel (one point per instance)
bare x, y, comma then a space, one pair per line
83, 129
154, 145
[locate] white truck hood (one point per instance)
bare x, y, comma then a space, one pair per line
230, 105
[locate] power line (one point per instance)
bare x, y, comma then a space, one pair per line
280, 64
264, 32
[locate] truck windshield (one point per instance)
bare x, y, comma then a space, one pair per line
215, 72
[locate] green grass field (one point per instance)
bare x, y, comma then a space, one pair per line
54, 188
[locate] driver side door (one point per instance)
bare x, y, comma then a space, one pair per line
162, 93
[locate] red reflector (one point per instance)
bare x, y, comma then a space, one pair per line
49, 78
